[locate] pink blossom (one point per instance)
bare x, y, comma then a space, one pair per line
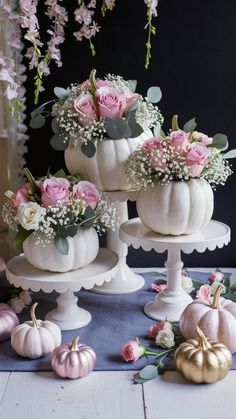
83, 15
16, 304
87, 192
132, 351
54, 190
215, 277
20, 197
155, 328
158, 287
180, 139
25, 296
154, 143
196, 158
201, 138
27, 7
130, 98
204, 291
111, 102
86, 109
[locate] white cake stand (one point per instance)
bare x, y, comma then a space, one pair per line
170, 303
125, 280
67, 315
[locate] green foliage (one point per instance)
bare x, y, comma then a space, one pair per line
117, 128
58, 143
88, 149
38, 121
21, 236
230, 154
60, 173
154, 94
88, 218
61, 93
220, 141
61, 244
190, 125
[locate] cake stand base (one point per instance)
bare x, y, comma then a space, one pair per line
159, 309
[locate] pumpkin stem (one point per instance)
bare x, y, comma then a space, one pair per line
32, 315
216, 297
203, 343
74, 346
175, 126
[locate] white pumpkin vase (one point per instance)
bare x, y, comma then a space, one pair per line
177, 207
83, 249
106, 167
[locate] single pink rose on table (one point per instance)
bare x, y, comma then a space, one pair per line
180, 139
86, 109
158, 287
196, 158
215, 277
111, 102
21, 196
54, 189
132, 351
87, 192
154, 329
204, 291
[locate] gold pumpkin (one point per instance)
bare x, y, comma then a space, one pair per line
202, 360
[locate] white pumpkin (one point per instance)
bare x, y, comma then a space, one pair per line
106, 167
83, 249
176, 208
35, 338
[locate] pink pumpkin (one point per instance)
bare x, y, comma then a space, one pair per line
73, 360
215, 316
8, 320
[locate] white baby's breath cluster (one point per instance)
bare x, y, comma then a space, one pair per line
9, 216
147, 114
106, 215
217, 170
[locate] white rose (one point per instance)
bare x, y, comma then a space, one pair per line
214, 287
165, 338
29, 215
187, 284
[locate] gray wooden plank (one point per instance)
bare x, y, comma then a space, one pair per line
4, 376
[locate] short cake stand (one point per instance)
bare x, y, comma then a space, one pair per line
67, 315
170, 303
125, 280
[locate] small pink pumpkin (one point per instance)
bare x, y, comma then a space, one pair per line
73, 360
8, 320
215, 316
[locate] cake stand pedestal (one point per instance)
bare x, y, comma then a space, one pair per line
125, 280
67, 315
170, 303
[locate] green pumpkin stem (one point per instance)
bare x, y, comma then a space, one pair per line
74, 346
203, 343
216, 297
175, 126
32, 315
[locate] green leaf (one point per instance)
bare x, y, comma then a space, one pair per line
72, 230
58, 143
220, 141
149, 372
132, 85
37, 111
135, 127
133, 107
161, 369
232, 280
117, 128
154, 94
54, 125
190, 125
38, 121
230, 154
21, 236
89, 217
61, 244
157, 130
61, 93
69, 231
60, 173
230, 296
138, 380
89, 149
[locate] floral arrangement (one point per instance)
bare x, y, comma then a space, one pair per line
180, 156
96, 110
54, 207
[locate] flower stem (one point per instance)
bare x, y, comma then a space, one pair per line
147, 352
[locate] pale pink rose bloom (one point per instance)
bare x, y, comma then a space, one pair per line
130, 98
20, 197
16, 304
87, 192
180, 139
25, 296
111, 102
132, 351
86, 109
196, 158
155, 328
204, 291
54, 189
215, 276
158, 287
204, 139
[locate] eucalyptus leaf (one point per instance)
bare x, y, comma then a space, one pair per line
220, 141
162, 133
54, 125
132, 85
230, 154
61, 93
138, 380
154, 94
89, 217
64, 231
61, 244
38, 121
21, 236
230, 296
72, 230
117, 128
60, 173
37, 111
157, 130
58, 143
190, 125
89, 149
232, 280
136, 129
149, 372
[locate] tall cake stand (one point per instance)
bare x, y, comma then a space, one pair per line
67, 315
125, 280
170, 303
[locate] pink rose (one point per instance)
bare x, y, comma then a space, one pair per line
154, 143
132, 351
202, 138
86, 109
204, 291
20, 197
154, 147
215, 277
196, 158
88, 192
54, 189
158, 287
130, 98
86, 85
154, 329
180, 139
111, 102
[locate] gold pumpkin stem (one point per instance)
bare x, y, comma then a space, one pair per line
175, 126
216, 297
203, 343
32, 315
74, 346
